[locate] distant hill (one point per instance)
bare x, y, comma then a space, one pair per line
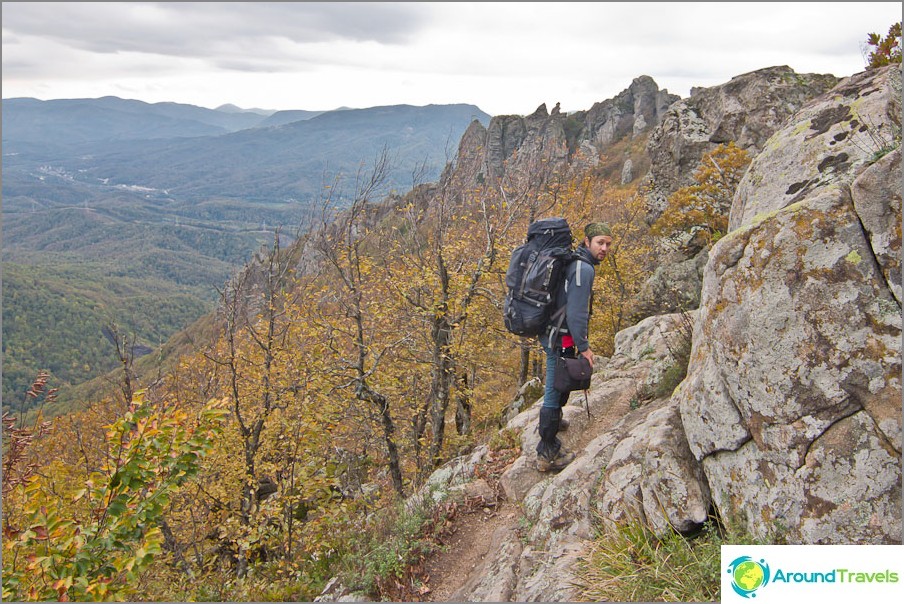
230, 108
287, 117
100, 143
139, 203
64, 121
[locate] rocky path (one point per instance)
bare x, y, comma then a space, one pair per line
473, 538
511, 533
478, 532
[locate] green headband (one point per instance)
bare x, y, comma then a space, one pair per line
595, 229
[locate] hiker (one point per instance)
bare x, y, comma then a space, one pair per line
575, 296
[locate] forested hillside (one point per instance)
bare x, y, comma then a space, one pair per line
344, 367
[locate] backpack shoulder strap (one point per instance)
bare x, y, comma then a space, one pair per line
577, 273
558, 317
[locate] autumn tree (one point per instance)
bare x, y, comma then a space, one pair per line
697, 215
124, 343
351, 316
450, 238
885, 50
253, 307
283, 446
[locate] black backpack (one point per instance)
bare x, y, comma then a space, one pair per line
535, 273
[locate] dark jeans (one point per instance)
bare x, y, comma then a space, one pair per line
552, 398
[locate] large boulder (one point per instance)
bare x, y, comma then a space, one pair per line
793, 395
826, 145
652, 476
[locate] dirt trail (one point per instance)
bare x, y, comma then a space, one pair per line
466, 549
471, 534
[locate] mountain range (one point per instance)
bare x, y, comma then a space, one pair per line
194, 153
111, 205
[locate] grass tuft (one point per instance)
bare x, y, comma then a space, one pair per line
630, 564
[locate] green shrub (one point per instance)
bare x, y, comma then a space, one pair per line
505, 439
400, 537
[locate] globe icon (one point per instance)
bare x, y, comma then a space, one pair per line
748, 575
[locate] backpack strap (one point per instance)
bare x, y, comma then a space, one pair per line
559, 315
577, 280
577, 275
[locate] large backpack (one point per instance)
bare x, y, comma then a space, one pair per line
535, 273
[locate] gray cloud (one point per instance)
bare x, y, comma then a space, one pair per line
205, 29
503, 57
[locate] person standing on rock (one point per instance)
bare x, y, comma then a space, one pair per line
575, 296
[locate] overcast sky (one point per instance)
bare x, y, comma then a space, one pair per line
506, 58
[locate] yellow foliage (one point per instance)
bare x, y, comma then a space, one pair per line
698, 213
406, 303
94, 542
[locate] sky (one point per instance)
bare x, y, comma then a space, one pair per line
506, 58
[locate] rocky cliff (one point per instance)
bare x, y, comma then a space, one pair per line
789, 419
747, 110
513, 148
793, 397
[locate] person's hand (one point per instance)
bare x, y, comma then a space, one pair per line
589, 355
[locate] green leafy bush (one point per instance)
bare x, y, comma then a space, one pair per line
95, 544
400, 537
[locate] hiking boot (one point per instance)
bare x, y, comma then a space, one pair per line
550, 455
562, 459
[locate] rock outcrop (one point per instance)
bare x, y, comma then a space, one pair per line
793, 395
746, 110
633, 111
532, 146
826, 145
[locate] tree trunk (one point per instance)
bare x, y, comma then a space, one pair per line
395, 468
441, 388
365, 393
463, 406
524, 370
